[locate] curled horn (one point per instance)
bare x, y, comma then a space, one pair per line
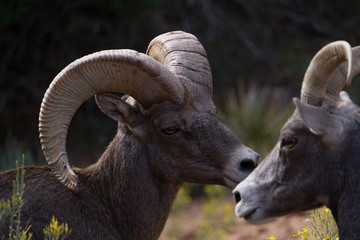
126, 71
339, 79
184, 55
320, 70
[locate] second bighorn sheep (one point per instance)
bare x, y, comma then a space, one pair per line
168, 133
316, 161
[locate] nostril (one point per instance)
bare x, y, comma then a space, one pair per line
237, 196
247, 165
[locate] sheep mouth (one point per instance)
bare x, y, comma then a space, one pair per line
230, 182
254, 216
247, 216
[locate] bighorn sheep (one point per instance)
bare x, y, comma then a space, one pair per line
316, 160
168, 133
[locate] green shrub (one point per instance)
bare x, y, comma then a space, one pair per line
56, 231
13, 149
320, 226
14, 207
11, 210
256, 115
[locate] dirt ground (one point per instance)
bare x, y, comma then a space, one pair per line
184, 224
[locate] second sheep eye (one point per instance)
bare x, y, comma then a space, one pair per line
289, 142
170, 130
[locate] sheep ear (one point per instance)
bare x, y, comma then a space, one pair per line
119, 110
321, 122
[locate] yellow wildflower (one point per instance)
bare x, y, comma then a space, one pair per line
271, 238
326, 210
298, 234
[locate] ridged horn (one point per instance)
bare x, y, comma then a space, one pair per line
184, 55
339, 79
125, 71
320, 70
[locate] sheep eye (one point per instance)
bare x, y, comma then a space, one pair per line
289, 142
170, 130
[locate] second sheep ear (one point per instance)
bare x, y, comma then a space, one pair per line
119, 110
321, 122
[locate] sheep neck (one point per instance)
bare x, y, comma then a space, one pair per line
140, 203
344, 200
347, 212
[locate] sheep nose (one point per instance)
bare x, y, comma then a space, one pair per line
237, 196
248, 165
249, 162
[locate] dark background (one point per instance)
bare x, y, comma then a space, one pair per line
263, 43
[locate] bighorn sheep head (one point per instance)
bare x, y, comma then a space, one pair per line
170, 108
305, 169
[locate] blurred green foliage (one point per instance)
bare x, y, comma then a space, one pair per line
182, 198
256, 115
11, 151
217, 215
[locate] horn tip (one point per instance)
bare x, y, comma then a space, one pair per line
73, 186
65, 175
71, 179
